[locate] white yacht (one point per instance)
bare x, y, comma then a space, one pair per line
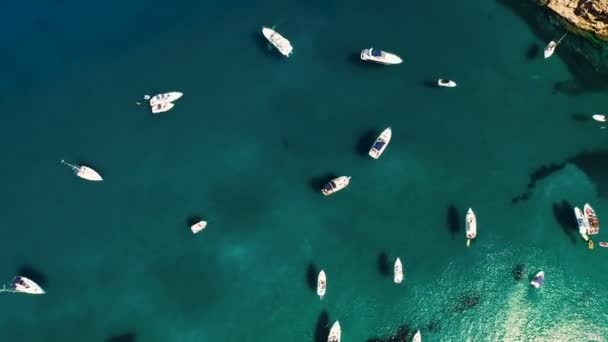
398, 274
278, 41
550, 48
539, 279
471, 226
197, 227
84, 172
171, 96
22, 284
335, 185
582, 223
321, 284
599, 117
380, 144
379, 56
417, 337
162, 107
446, 83
335, 334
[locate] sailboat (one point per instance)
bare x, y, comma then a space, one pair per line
335, 334
398, 274
471, 226
84, 172
417, 337
550, 48
321, 284
22, 284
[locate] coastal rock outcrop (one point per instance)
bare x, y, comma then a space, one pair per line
587, 17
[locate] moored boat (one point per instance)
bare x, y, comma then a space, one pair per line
398, 273
379, 56
380, 144
278, 41
197, 227
599, 117
335, 185
539, 279
582, 223
84, 172
603, 244
162, 107
321, 284
335, 333
165, 97
550, 49
446, 83
471, 226
594, 223
417, 337
22, 284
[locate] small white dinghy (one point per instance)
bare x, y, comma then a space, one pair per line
380, 144
22, 284
471, 226
321, 284
582, 223
446, 83
197, 227
171, 96
84, 172
398, 274
278, 41
335, 185
550, 48
379, 56
599, 117
335, 334
417, 337
162, 107
539, 279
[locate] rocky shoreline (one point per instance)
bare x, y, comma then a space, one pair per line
588, 18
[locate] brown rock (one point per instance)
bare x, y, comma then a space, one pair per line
590, 16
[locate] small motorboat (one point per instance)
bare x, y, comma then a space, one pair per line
84, 172
471, 226
417, 337
162, 107
22, 284
582, 223
446, 83
321, 284
398, 274
594, 223
539, 279
278, 41
379, 56
335, 333
171, 96
603, 244
590, 244
335, 185
550, 48
599, 117
380, 144
197, 227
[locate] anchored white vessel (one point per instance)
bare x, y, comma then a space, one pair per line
380, 144
335, 333
417, 337
278, 41
335, 185
446, 83
379, 56
599, 117
539, 279
471, 226
84, 172
594, 223
582, 223
398, 274
22, 284
321, 284
197, 227
550, 48
162, 107
171, 96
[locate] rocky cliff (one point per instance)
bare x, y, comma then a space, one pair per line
587, 17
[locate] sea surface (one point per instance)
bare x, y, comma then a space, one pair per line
248, 147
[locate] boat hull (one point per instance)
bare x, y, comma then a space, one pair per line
470, 225
446, 83
599, 117
162, 107
386, 58
582, 223
321, 284
165, 97
594, 223
538, 280
25, 285
335, 185
381, 143
550, 49
88, 173
199, 226
417, 337
398, 272
282, 44
335, 334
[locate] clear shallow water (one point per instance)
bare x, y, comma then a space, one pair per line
244, 149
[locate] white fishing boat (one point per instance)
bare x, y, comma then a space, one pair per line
22, 284
380, 144
278, 41
171, 96
379, 56
582, 222
335, 334
417, 337
321, 284
539, 279
84, 172
550, 48
162, 107
599, 117
398, 274
335, 185
446, 83
197, 227
471, 226
594, 223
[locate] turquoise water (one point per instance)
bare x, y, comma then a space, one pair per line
246, 147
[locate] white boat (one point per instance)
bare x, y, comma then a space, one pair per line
84, 172
471, 226
335, 334
380, 144
379, 56
446, 83
166, 97
582, 223
321, 284
599, 117
335, 185
539, 279
197, 227
398, 274
594, 223
550, 48
22, 284
278, 41
162, 107
417, 337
